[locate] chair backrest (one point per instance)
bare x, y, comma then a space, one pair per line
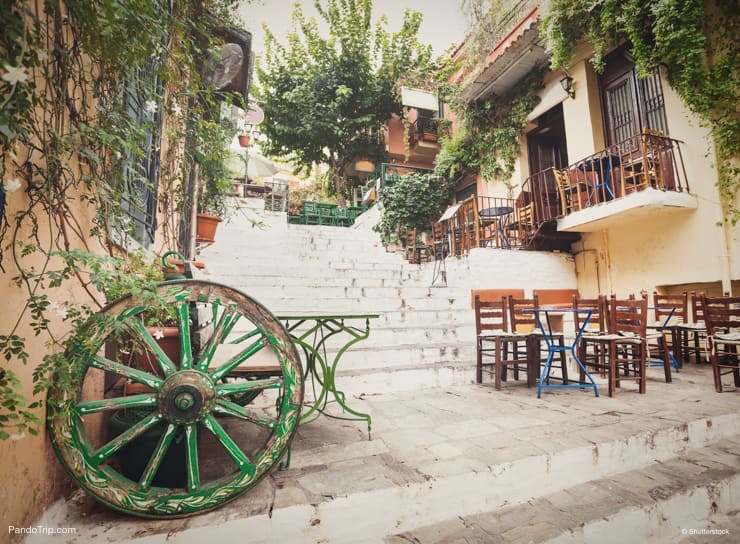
663, 304
410, 238
599, 313
721, 314
697, 310
555, 297
494, 294
519, 320
564, 186
628, 317
490, 315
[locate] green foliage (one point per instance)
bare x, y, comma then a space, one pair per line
212, 154
696, 42
325, 98
488, 138
414, 201
67, 142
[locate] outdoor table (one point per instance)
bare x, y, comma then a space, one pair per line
496, 215
313, 342
660, 327
553, 347
603, 167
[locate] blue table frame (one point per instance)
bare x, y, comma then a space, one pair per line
601, 165
553, 348
661, 328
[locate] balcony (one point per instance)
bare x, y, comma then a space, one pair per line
639, 177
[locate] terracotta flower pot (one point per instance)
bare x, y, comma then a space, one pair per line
170, 344
245, 140
206, 227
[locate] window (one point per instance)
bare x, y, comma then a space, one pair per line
630, 103
141, 171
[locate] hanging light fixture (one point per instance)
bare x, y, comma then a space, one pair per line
567, 84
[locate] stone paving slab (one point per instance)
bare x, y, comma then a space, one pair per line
443, 454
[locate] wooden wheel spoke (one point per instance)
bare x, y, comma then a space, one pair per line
191, 449
226, 368
134, 374
134, 401
155, 460
183, 325
127, 436
241, 460
231, 388
223, 327
228, 408
141, 332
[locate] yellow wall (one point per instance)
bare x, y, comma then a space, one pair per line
667, 247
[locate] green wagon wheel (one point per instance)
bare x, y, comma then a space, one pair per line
200, 449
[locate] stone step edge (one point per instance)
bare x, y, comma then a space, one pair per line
650, 505
383, 512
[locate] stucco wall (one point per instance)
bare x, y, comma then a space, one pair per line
667, 247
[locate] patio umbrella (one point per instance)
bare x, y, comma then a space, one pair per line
260, 167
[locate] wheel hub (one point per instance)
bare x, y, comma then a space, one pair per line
187, 397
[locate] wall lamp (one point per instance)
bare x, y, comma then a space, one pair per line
567, 84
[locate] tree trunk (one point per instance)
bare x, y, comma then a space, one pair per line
339, 184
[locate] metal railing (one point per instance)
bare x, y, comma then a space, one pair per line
649, 160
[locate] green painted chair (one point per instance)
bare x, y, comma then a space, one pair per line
310, 213
343, 217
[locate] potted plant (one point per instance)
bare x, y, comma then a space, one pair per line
245, 140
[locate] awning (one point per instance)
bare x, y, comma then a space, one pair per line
515, 56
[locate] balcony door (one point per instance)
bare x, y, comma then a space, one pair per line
547, 150
629, 103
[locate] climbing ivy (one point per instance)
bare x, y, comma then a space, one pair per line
489, 131
67, 138
694, 40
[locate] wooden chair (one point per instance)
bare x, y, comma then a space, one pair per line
658, 331
470, 223
625, 342
675, 308
493, 340
573, 195
658, 151
440, 241
694, 332
591, 351
722, 317
416, 252
519, 231
521, 321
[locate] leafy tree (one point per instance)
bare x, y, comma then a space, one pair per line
414, 201
325, 98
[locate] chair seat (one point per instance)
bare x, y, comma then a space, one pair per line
728, 338
503, 334
699, 326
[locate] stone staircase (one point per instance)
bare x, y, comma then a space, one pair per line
424, 335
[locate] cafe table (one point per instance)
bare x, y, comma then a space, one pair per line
496, 215
311, 332
602, 167
553, 347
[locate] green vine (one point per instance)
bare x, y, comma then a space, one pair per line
67, 140
413, 201
696, 42
487, 140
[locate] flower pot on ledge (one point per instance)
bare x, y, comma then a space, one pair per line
206, 228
